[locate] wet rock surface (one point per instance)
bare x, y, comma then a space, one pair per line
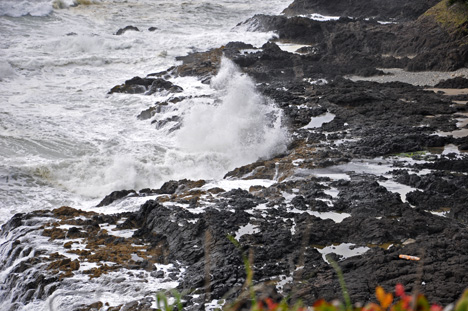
146, 86
121, 31
372, 171
398, 10
359, 46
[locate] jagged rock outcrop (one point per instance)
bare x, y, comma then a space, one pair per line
147, 86
429, 41
398, 10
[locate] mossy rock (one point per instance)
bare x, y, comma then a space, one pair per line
451, 15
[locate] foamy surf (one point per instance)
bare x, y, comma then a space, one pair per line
6, 70
21, 8
234, 127
241, 125
38, 8
65, 142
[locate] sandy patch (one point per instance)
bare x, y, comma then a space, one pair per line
423, 78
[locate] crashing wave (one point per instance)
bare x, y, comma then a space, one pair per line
22, 8
37, 8
242, 126
63, 4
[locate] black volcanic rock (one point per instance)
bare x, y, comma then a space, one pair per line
114, 196
397, 10
148, 86
455, 83
121, 31
358, 46
159, 85
379, 218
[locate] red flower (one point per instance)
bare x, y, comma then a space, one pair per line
400, 290
271, 305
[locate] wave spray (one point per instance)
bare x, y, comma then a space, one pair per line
239, 127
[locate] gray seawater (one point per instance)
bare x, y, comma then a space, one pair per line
64, 141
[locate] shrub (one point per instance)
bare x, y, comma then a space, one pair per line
400, 301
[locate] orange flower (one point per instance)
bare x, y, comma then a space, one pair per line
319, 302
384, 298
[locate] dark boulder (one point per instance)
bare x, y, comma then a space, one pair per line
147, 86
116, 195
121, 31
159, 85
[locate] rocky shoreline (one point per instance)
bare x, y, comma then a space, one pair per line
373, 170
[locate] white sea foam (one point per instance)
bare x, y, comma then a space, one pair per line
241, 127
115, 288
38, 8
235, 128
64, 4
15, 8
64, 141
323, 18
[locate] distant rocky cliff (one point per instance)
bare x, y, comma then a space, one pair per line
397, 11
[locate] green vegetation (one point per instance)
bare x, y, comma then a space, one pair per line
451, 14
344, 289
163, 302
411, 154
399, 301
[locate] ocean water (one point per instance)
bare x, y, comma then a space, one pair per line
64, 141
